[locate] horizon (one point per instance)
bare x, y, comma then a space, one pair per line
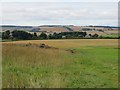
56, 25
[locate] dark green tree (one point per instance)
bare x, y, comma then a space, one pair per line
50, 36
22, 35
43, 36
35, 36
90, 35
95, 36
6, 35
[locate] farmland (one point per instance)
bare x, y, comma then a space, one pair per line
49, 29
93, 63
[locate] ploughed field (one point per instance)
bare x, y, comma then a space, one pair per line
73, 63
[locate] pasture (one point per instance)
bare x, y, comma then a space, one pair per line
93, 64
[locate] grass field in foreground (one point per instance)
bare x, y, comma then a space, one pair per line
93, 64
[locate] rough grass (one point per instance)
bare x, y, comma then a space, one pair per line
95, 64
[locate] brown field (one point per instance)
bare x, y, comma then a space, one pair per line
54, 29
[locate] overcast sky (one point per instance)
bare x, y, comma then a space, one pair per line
59, 1
76, 13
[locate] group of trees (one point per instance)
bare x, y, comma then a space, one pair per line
67, 35
22, 35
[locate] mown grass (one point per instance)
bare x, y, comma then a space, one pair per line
93, 65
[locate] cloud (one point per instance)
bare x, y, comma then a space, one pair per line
57, 12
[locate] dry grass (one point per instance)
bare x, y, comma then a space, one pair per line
34, 67
71, 43
19, 59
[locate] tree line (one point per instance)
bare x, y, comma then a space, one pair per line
23, 35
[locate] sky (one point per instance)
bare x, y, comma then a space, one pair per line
59, 12
59, 0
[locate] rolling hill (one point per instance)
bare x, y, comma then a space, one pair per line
100, 30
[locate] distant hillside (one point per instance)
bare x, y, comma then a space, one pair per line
105, 26
101, 30
16, 26
53, 29
12, 27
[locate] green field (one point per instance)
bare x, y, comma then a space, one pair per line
93, 64
111, 36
